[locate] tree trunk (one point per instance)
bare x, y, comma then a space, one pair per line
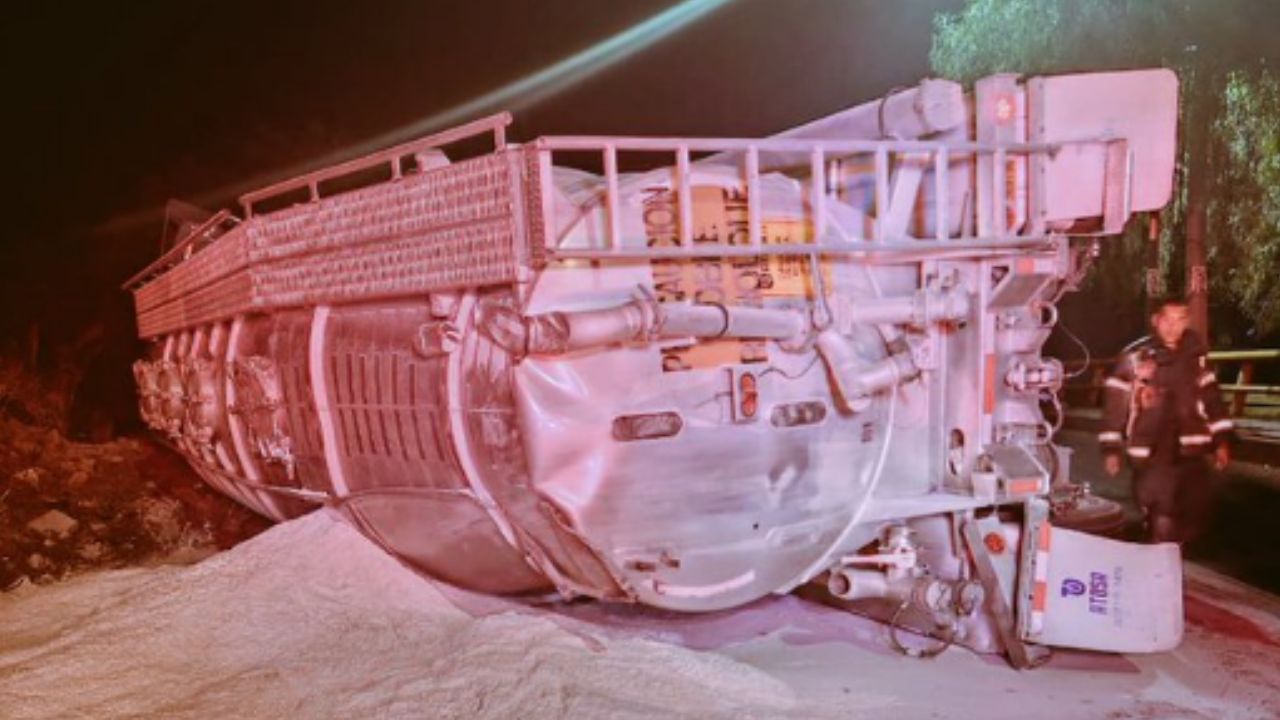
1153, 284
1197, 282
1197, 274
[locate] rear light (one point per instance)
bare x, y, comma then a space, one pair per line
748, 396
647, 426
1025, 486
809, 412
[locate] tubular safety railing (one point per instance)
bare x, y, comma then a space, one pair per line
392, 156
995, 227
1246, 399
997, 216
206, 232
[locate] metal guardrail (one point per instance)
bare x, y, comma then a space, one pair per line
1240, 391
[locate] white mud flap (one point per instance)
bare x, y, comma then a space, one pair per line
1095, 593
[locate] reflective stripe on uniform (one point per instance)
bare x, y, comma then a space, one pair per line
1222, 425
1208, 379
1195, 439
1110, 436
1117, 383
1139, 451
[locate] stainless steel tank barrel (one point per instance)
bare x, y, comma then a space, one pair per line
688, 387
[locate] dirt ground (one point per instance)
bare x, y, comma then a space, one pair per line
67, 507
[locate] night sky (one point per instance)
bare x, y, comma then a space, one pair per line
114, 107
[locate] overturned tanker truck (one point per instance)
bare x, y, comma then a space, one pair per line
711, 370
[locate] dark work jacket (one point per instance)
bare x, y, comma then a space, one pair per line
1164, 403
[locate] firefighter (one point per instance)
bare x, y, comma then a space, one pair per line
1164, 410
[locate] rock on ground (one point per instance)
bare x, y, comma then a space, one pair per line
67, 507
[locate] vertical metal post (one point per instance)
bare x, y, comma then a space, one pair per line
685, 196
754, 230
999, 204
613, 240
818, 188
882, 190
1241, 397
987, 352
546, 193
941, 193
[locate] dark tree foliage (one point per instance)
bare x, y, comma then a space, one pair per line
1247, 205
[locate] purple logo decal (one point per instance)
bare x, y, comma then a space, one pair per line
1071, 586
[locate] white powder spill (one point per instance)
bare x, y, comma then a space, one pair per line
312, 620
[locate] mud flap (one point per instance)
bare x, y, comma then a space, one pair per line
1084, 591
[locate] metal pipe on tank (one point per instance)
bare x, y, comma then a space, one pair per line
560, 332
737, 321
932, 107
856, 380
922, 308
929, 594
849, 583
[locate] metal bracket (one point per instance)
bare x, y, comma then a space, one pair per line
436, 338
1022, 656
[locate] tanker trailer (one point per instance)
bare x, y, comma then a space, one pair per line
711, 370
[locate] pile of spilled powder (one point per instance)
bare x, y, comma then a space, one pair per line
312, 620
